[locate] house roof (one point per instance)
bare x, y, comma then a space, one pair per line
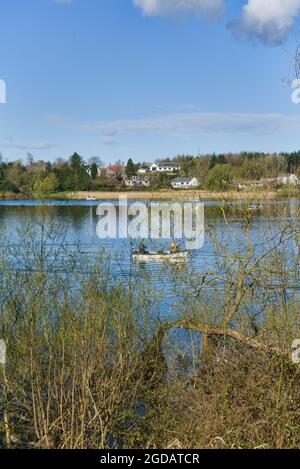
139, 177
183, 179
116, 167
170, 163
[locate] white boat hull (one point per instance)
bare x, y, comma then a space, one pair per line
161, 257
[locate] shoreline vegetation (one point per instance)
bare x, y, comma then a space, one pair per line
90, 363
241, 176
178, 195
231, 195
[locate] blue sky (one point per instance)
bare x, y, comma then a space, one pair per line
141, 79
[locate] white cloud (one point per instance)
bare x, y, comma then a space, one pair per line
189, 124
188, 108
108, 141
211, 9
267, 20
12, 143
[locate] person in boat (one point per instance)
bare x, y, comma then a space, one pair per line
142, 248
174, 248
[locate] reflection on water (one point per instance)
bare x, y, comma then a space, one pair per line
166, 283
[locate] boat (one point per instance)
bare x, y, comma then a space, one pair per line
168, 256
89, 198
256, 206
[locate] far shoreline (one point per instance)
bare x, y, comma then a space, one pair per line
246, 196
168, 195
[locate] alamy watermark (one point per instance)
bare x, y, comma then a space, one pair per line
154, 221
2, 352
2, 92
296, 351
296, 92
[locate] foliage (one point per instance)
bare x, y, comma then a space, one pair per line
94, 171
46, 186
7, 186
131, 168
220, 177
214, 172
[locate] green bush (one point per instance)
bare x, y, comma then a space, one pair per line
9, 187
220, 177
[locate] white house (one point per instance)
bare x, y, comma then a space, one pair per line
137, 181
289, 179
185, 183
165, 167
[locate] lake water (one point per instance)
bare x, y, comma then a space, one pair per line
167, 284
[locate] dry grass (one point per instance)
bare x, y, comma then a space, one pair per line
174, 194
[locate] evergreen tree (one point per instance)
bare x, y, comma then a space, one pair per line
130, 168
94, 171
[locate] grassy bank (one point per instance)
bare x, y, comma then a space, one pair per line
164, 194
169, 195
4, 195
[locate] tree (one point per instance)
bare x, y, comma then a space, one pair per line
220, 177
213, 161
221, 159
50, 183
94, 171
46, 186
2, 176
76, 177
130, 168
75, 161
29, 159
8, 186
96, 160
48, 167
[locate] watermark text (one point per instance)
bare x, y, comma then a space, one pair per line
2, 92
152, 221
296, 351
296, 92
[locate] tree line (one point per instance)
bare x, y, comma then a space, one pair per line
213, 171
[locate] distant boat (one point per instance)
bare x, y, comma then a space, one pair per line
89, 198
161, 256
256, 206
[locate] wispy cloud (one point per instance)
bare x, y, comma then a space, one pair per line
13, 144
211, 9
269, 21
188, 124
188, 108
108, 141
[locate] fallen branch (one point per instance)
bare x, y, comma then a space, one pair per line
215, 331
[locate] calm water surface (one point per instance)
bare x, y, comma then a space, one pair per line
79, 219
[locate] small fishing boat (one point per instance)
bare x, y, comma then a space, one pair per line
161, 256
256, 206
